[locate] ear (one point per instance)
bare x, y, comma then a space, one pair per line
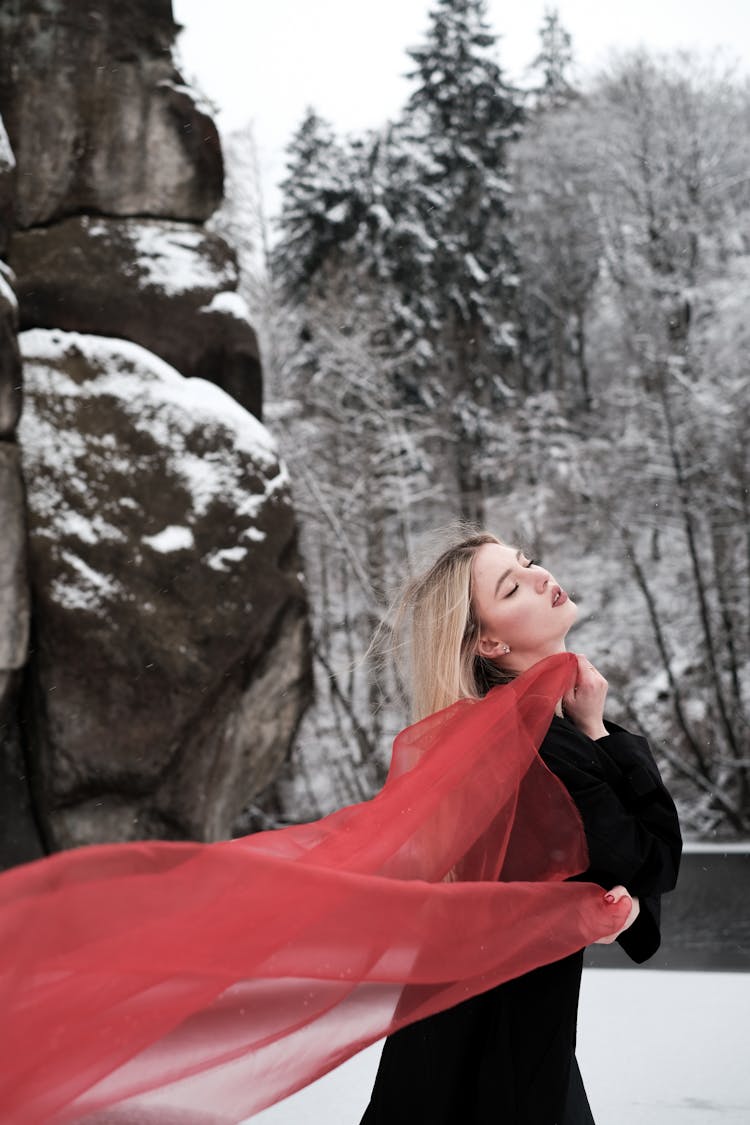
492, 650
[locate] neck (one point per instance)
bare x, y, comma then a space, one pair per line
520, 661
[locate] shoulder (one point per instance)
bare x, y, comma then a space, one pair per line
620, 751
621, 761
578, 759
574, 757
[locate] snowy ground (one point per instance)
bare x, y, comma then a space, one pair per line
659, 1048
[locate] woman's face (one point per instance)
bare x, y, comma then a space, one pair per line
518, 604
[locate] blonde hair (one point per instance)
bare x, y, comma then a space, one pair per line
437, 612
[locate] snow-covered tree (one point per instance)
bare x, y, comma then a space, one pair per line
552, 328
465, 115
416, 216
317, 214
356, 440
560, 249
669, 151
553, 64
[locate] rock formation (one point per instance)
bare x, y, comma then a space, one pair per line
99, 119
169, 661
170, 286
169, 644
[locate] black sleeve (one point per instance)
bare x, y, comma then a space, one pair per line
641, 940
629, 818
631, 765
630, 769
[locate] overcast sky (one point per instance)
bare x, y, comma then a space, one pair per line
265, 60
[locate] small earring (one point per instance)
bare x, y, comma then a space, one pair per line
506, 650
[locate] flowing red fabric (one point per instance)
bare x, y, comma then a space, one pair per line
180, 983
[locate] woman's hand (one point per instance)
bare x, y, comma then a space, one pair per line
615, 895
584, 703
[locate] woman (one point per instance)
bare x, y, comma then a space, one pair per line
174, 982
483, 614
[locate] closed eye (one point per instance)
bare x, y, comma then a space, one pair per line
525, 565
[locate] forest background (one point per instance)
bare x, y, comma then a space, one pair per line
525, 308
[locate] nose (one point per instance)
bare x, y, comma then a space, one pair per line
543, 580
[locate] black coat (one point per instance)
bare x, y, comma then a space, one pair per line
506, 1057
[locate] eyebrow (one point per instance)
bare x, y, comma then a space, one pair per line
506, 574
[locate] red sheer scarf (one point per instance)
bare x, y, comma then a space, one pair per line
179, 982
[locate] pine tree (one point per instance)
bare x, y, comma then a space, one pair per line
316, 216
354, 449
465, 115
555, 227
554, 61
415, 218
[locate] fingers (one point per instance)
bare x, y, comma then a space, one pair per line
589, 681
588, 675
616, 894
584, 703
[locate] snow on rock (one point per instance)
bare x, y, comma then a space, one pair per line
220, 560
6, 289
168, 257
164, 567
159, 405
89, 591
7, 159
168, 286
172, 538
229, 303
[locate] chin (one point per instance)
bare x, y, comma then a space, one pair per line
570, 609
